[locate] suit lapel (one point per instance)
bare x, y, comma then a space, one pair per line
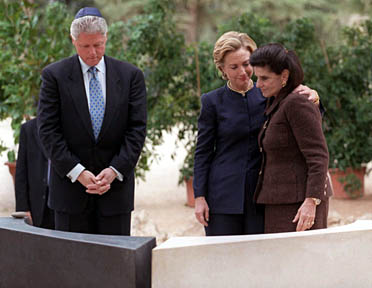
113, 92
273, 102
78, 94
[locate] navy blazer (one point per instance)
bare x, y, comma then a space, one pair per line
66, 133
31, 187
227, 157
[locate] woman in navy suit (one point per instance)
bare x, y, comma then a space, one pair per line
227, 157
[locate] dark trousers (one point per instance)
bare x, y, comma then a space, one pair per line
48, 219
93, 222
279, 217
251, 222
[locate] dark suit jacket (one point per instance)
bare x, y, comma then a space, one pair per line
227, 158
31, 174
295, 154
66, 132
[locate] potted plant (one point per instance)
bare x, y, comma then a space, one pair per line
11, 163
186, 177
342, 76
11, 160
200, 76
348, 120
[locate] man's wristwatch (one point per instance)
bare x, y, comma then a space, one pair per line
316, 201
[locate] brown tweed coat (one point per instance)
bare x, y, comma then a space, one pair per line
295, 154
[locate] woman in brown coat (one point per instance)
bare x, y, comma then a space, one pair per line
293, 177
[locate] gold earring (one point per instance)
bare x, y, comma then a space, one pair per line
284, 83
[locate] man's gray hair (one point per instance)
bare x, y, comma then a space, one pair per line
89, 25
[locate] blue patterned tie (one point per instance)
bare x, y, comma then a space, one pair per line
97, 103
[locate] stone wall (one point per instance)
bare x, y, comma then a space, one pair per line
333, 258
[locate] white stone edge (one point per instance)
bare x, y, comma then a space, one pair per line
178, 242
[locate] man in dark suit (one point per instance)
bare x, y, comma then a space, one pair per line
92, 123
31, 179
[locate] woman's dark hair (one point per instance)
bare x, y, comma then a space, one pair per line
277, 58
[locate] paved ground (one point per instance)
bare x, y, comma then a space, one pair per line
160, 203
163, 201
174, 218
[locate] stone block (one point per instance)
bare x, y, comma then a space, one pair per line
35, 257
334, 258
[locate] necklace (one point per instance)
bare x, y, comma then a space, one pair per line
250, 85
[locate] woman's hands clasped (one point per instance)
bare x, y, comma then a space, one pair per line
202, 210
305, 215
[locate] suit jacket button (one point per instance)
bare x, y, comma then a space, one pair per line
260, 172
325, 193
325, 186
261, 149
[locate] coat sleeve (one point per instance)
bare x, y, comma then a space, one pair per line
306, 125
134, 136
205, 146
49, 126
21, 177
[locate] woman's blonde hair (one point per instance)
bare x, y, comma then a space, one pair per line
231, 41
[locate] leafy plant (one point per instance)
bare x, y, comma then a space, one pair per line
29, 40
341, 74
152, 42
11, 156
352, 185
349, 118
177, 73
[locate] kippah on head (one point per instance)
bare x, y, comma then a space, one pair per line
88, 11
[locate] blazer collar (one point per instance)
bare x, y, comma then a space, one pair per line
273, 102
113, 94
78, 93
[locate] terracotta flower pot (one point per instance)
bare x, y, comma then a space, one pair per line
343, 190
190, 193
12, 169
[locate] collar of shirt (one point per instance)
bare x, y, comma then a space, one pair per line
101, 67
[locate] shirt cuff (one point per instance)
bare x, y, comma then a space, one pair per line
75, 172
119, 176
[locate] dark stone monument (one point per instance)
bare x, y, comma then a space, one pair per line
36, 257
